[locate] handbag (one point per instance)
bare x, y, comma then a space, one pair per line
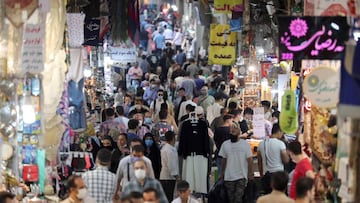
30, 173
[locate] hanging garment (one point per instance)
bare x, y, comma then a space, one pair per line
76, 32
194, 147
194, 138
194, 171
76, 69
77, 117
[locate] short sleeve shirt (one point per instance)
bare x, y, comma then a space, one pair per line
236, 154
300, 171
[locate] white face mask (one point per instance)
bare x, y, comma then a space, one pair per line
140, 174
82, 193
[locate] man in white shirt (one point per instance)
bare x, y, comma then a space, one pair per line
125, 172
168, 33
237, 164
272, 156
178, 39
184, 193
213, 111
169, 165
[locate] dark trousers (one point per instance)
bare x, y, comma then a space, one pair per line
169, 187
265, 183
235, 190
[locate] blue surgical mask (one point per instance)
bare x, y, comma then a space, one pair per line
147, 120
149, 143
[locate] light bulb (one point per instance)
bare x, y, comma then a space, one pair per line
29, 115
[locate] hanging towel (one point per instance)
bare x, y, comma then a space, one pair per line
75, 30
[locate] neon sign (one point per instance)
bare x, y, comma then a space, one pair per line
312, 37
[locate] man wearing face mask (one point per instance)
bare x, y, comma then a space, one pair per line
78, 191
125, 172
155, 106
101, 182
151, 92
205, 100
143, 182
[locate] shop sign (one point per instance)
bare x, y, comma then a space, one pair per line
312, 37
91, 32
228, 6
123, 53
222, 45
259, 122
321, 86
15, 10
32, 55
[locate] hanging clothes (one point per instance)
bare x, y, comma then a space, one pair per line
76, 32
77, 119
194, 147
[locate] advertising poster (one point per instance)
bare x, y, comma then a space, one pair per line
222, 47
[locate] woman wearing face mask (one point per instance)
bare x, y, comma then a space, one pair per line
152, 151
143, 182
108, 143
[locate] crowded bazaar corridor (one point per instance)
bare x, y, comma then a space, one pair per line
180, 101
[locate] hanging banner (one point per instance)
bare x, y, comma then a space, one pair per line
91, 32
32, 55
222, 45
228, 6
321, 86
312, 37
125, 53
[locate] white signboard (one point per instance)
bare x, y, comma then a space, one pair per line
322, 86
32, 55
123, 53
259, 122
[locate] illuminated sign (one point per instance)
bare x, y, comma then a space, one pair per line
312, 37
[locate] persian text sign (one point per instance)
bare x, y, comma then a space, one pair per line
222, 45
312, 37
228, 6
32, 56
322, 87
123, 53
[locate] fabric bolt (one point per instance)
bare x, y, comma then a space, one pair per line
134, 186
101, 184
76, 69
194, 171
76, 32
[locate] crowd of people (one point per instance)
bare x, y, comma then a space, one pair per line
137, 141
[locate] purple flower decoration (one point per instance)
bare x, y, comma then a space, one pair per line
298, 28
